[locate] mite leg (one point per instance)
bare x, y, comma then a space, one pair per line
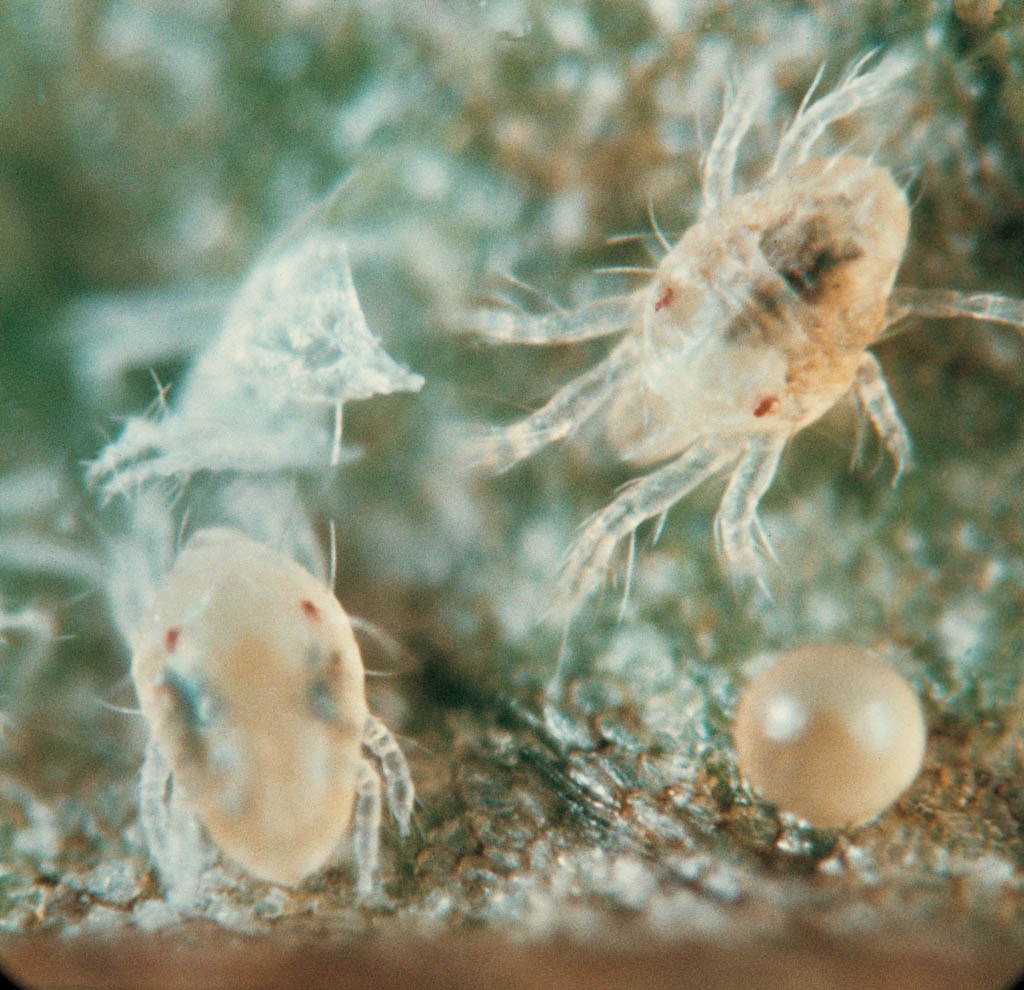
154, 788
131, 460
377, 738
499, 449
642, 499
173, 834
874, 399
596, 319
948, 303
366, 831
858, 89
737, 116
738, 532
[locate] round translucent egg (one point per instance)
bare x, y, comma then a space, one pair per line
830, 733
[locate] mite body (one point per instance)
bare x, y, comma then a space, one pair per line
756, 321
252, 683
750, 328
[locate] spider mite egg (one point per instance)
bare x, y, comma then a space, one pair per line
249, 675
830, 733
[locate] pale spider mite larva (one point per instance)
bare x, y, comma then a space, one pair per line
830, 733
251, 681
753, 325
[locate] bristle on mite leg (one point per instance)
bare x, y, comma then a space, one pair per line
858, 89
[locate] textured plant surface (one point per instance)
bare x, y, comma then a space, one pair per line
149, 154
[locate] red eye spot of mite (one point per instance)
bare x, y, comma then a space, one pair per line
171, 639
310, 610
665, 299
767, 406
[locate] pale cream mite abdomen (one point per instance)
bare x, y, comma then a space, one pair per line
251, 680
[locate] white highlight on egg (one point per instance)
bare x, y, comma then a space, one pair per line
830, 733
785, 718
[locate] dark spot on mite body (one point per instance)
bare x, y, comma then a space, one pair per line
320, 660
767, 300
803, 252
320, 701
171, 639
765, 319
767, 406
310, 610
194, 709
805, 279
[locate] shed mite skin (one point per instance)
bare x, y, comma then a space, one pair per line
251, 681
753, 325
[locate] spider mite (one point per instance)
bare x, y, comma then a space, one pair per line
249, 676
753, 325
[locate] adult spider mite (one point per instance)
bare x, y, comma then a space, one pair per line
752, 326
249, 676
